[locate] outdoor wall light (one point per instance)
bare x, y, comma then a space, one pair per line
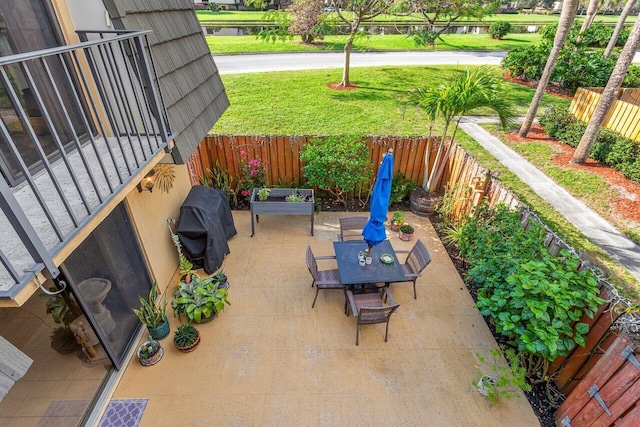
147, 182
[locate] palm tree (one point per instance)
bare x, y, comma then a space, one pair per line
567, 16
608, 95
592, 9
619, 26
450, 100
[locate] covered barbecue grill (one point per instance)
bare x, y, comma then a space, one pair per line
205, 226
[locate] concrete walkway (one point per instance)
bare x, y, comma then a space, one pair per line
599, 231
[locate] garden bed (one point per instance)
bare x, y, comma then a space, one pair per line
277, 203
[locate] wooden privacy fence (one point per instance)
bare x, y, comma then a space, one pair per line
281, 155
470, 183
623, 116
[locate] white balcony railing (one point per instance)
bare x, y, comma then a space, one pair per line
77, 123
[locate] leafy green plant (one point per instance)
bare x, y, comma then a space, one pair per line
499, 29
263, 194
185, 335
534, 299
61, 307
295, 197
152, 313
398, 218
406, 229
219, 178
199, 299
400, 188
497, 380
336, 164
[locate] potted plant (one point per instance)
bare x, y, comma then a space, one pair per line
397, 221
153, 314
199, 300
498, 380
406, 232
221, 278
263, 194
295, 197
448, 102
185, 266
186, 338
149, 352
64, 310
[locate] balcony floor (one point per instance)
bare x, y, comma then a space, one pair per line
272, 360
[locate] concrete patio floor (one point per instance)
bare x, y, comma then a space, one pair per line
272, 360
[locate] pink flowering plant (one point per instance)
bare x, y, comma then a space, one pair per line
252, 175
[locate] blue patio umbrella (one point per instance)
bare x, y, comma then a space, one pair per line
374, 231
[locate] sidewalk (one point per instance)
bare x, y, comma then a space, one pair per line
599, 231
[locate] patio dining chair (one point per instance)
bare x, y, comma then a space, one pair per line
322, 279
416, 261
371, 309
351, 227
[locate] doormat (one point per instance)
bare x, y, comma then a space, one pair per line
123, 413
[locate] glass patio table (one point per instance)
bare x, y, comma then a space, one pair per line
352, 273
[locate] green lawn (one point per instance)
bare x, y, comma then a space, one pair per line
480, 42
300, 103
257, 16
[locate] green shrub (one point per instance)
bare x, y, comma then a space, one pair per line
609, 148
578, 65
555, 119
597, 35
526, 62
533, 298
337, 164
632, 78
631, 170
400, 188
499, 29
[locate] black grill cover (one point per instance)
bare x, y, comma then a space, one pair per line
204, 227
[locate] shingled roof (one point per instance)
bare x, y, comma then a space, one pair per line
193, 92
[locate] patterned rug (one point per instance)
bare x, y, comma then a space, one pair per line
123, 413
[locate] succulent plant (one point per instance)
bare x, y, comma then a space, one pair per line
185, 335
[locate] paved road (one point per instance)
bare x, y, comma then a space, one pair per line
235, 64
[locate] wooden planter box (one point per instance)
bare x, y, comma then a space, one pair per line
277, 205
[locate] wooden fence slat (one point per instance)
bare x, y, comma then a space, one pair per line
623, 117
619, 407
579, 355
610, 393
631, 418
604, 369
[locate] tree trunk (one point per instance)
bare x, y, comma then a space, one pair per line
347, 57
566, 19
608, 95
619, 27
591, 14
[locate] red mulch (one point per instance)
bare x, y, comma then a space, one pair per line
551, 89
625, 202
338, 86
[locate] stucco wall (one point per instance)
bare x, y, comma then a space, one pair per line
150, 212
